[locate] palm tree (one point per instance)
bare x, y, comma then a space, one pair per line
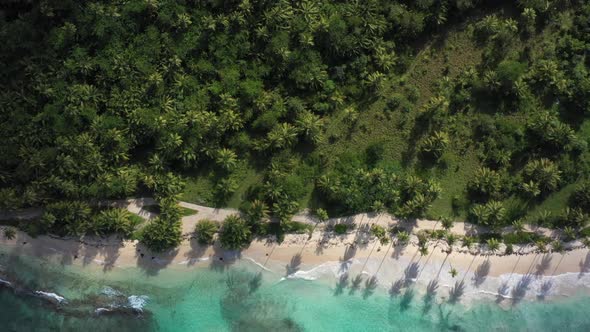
205, 230
436, 144
282, 136
257, 211
9, 233
493, 245
569, 233
468, 242
453, 272
226, 159
322, 216
403, 238
451, 240
446, 223
518, 225
310, 125
235, 233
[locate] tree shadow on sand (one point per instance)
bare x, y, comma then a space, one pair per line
341, 284
481, 273
293, 265
196, 253
457, 291
370, 286
221, 259
151, 263
345, 261
543, 265
584, 266
411, 273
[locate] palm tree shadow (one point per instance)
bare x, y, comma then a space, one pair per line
152, 263
293, 265
356, 284
584, 266
255, 282
396, 287
502, 292
221, 259
370, 286
429, 296
456, 292
197, 251
411, 273
363, 236
398, 250
406, 299
543, 265
341, 284
519, 291
481, 272
349, 253
544, 290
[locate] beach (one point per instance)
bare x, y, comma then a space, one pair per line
353, 263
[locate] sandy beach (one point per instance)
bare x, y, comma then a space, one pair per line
352, 260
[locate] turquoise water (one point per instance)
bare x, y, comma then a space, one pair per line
240, 298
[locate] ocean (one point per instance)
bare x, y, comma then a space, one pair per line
38, 295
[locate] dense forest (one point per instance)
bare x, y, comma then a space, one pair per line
463, 109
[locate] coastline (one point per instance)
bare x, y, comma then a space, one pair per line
385, 269
355, 259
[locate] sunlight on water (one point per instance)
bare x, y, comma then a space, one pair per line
244, 297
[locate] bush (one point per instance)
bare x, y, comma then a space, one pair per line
205, 230
114, 221
235, 233
161, 234
340, 229
580, 198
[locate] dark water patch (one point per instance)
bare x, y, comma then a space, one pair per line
245, 309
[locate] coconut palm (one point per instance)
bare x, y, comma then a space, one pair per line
257, 211
205, 230
453, 272
493, 244
9, 233
235, 233
518, 225
569, 233
226, 159
310, 125
446, 223
403, 238
468, 242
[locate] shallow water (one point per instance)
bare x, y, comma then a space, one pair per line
244, 297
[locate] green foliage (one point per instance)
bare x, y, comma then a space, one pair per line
543, 174
66, 217
580, 198
161, 234
203, 90
9, 233
340, 229
235, 233
109, 221
205, 230
380, 233
491, 214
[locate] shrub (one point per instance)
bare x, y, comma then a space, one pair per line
205, 230
235, 233
161, 234
340, 229
580, 198
114, 221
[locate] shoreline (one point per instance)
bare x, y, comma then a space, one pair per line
386, 269
340, 259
